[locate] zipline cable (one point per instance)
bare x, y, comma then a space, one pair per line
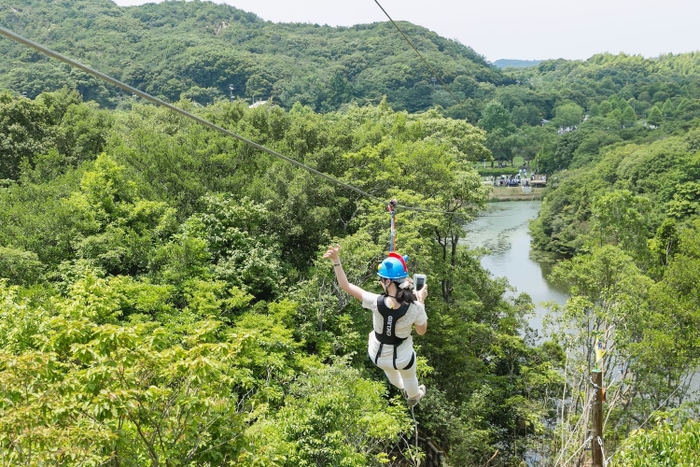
445, 86
22, 40
586, 441
602, 451
432, 70
573, 433
391, 207
17, 38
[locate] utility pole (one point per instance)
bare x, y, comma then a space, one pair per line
597, 419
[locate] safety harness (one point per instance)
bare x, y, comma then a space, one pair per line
388, 335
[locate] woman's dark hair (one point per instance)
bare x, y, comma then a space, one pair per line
404, 295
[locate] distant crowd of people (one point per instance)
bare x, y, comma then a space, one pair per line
511, 180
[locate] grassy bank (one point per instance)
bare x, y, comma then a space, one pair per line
515, 194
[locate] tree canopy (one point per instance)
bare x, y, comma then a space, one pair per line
163, 291
162, 295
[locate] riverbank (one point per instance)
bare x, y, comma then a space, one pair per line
515, 193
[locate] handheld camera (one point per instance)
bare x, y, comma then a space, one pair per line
418, 281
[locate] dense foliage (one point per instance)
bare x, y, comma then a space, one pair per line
163, 300
673, 440
623, 208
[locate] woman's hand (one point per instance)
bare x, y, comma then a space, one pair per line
333, 254
421, 295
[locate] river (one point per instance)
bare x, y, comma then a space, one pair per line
503, 230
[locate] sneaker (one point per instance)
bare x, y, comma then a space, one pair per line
421, 393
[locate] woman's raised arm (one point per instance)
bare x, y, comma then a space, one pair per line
333, 254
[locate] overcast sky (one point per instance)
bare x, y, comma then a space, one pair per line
514, 29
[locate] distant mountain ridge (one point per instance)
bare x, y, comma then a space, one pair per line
509, 63
205, 51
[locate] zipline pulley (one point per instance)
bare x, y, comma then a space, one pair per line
391, 207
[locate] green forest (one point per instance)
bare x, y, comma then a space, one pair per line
163, 297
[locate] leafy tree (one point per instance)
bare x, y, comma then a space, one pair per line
465, 84
619, 218
496, 120
655, 117
531, 141
664, 245
608, 294
660, 96
54, 131
114, 226
107, 383
494, 117
202, 96
257, 87
670, 441
341, 91
24, 132
675, 305
244, 251
668, 108
19, 266
568, 115
526, 115
605, 108
628, 117
563, 153
350, 424
685, 201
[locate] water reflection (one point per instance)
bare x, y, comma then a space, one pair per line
503, 231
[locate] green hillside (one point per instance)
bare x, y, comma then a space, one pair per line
198, 49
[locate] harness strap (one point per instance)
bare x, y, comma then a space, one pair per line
388, 335
410, 364
379, 353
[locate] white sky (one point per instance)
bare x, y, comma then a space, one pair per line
514, 29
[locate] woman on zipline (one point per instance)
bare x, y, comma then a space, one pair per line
394, 313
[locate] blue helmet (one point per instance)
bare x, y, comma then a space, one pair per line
394, 267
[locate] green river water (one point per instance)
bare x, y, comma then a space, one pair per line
503, 230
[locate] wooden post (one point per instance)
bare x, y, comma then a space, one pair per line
597, 420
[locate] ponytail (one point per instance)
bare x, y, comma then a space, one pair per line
404, 295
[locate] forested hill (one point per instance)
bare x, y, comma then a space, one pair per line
198, 49
163, 296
